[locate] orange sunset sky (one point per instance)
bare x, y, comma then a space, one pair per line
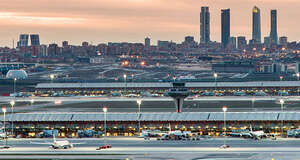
101, 21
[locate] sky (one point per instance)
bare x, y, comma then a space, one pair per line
102, 21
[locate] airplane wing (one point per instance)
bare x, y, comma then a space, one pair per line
48, 143
79, 143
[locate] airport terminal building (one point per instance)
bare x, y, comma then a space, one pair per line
228, 88
126, 124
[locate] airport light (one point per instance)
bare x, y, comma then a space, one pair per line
224, 110
15, 80
281, 127
281, 77
132, 76
252, 104
298, 75
31, 102
139, 102
4, 126
52, 78
125, 77
215, 76
12, 104
104, 111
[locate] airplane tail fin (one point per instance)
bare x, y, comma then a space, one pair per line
54, 139
251, 128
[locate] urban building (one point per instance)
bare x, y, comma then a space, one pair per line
85, 44
233, 42
147, 42
273, 33
267, 41
35, 39
225, 21
283, 41
65, 44
204, 25
256, 26
53, 49
241, 42
23, 40
163, 44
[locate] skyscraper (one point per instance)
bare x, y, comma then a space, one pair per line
256, 27
23, 40
242, 42
273, 33
204, 25
35, 39
225, 20
147, 42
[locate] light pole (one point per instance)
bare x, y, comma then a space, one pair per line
224, 110
298, 75
125, 77
215, 76
104, 111
280, 92
52, 78
139, 102
281, 103
132, 76
12, 103
252, 104
15, 80
4, 111
31, 101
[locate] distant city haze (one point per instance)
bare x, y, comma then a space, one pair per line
101, 21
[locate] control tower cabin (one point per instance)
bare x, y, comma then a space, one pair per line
178, 92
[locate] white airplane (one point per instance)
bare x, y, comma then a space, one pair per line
63, 144
2, 135
253, 134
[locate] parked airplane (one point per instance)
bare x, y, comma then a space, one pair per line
253, 134
63, 144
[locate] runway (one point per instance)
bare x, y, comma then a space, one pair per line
136, 148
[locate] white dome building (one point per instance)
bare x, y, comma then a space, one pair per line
18, 74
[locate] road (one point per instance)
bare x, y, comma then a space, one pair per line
136, 148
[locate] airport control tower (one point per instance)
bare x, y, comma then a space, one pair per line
178, 92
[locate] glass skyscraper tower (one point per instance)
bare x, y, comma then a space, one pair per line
204, 25
225, 20
256, 27
273, 33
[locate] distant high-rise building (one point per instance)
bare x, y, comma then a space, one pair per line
283, 41
85, 44
147, 42
65, 44
204, 25
241, 42
163, 44
225, 20
189, 39
35, 39
53, 49
256, 27
267, 41
23, 40
273, 33
233, 42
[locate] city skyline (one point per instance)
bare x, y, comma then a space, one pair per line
109, 21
